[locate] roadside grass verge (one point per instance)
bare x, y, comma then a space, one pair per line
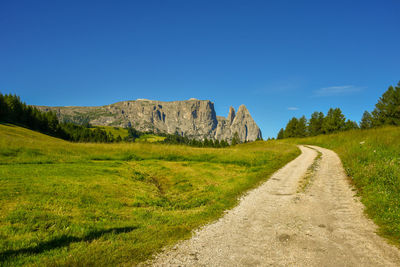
67, 203
371, 159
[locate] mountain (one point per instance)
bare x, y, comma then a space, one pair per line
192, 118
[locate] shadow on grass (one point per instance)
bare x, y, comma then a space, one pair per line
63, 241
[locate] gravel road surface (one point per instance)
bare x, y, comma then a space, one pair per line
278, 225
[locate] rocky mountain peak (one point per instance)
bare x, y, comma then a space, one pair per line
245, 126
192, 118
231, 115
242, 112
242, 108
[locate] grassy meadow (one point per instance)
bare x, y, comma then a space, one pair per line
115, 131
150, 138
123, 132
65, 203
371, 158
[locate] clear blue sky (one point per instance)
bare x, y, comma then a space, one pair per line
279, 58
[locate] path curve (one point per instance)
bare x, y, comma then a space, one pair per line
274, 225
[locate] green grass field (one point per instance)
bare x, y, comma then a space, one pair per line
150, 138
65, 203
123, 132
371, 158
115, 131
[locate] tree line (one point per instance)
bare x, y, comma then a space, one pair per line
386, 112
13, 110
178, 139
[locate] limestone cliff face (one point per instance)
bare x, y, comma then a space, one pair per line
192, 118
242, 123
231, 115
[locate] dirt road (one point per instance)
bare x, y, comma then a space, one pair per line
275, 225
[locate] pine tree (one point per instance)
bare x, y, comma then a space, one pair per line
280, 134
301, 129
366, 120
206, 142
52, 121
291, 127
217, 143
315, 123
224, 143
350, 125
334, 121
3, 108
133, 134
235, 139
387, 110
212, 143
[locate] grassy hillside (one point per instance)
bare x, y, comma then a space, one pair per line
150, 138
115, 131
65, 203
372, 159
123, 132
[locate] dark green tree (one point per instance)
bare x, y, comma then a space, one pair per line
280, 134
366, 120
350, 125
224, 143
235, 139
387, 110
334, 121
15, 107
315, 123
52, 121
206, 142
217, 143
3, 108
291, 128
301, 129
133, 134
